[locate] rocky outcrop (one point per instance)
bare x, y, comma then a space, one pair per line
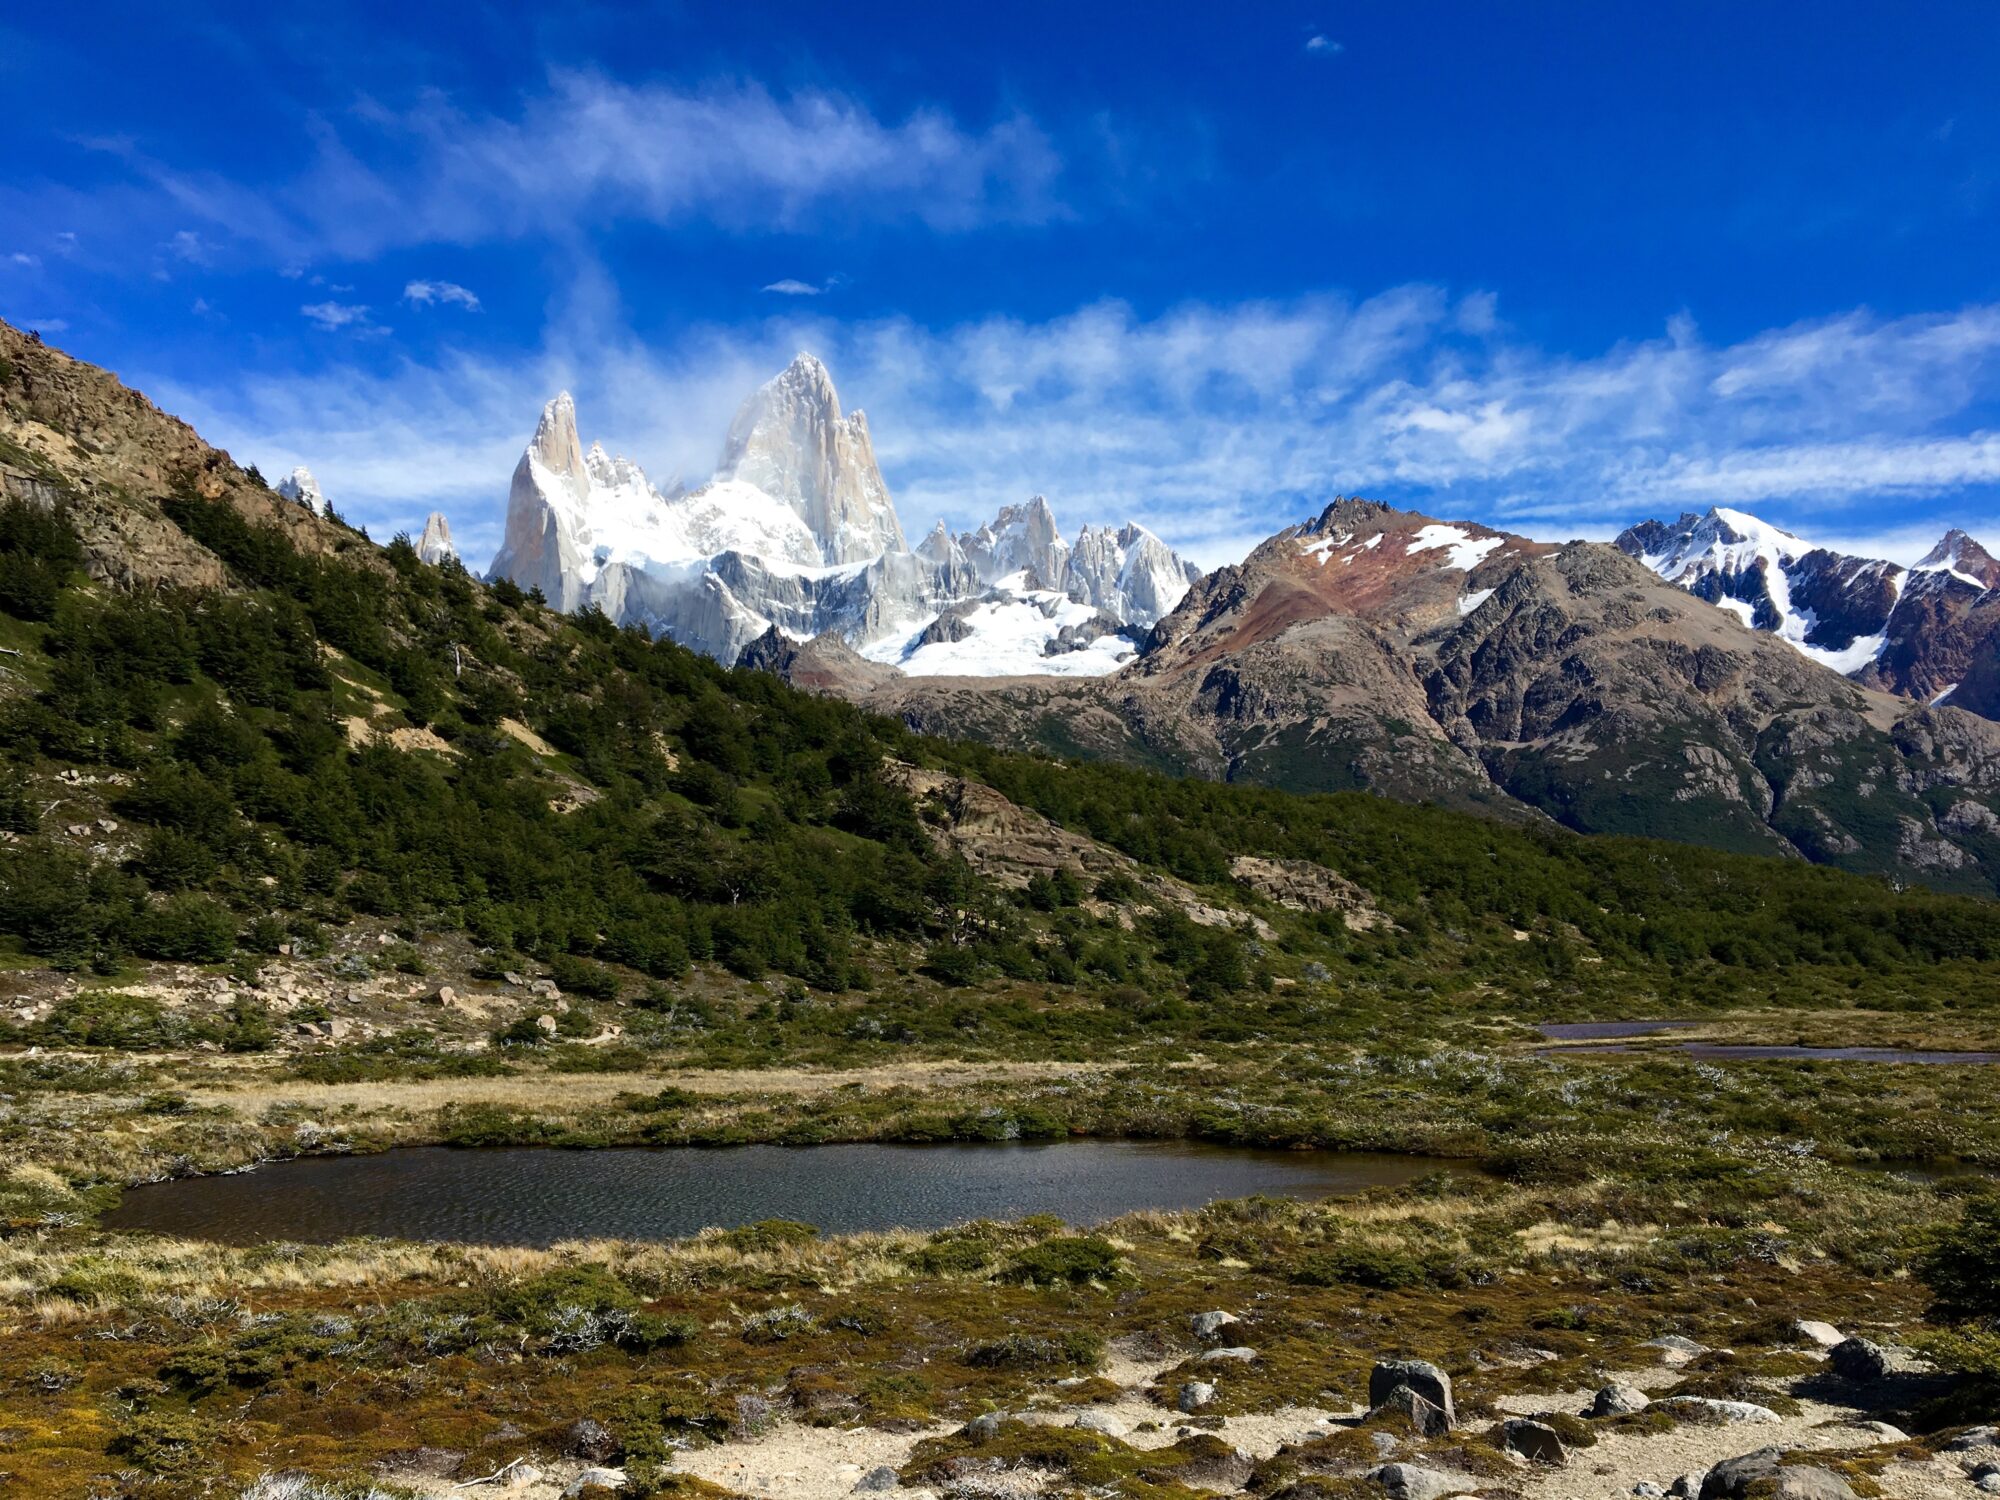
73, 433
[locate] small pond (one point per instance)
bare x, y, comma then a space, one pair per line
533, 1196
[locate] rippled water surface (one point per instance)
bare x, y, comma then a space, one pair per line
536, 1197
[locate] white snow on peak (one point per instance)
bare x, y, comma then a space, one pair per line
797, 532
1464, 552
300, 486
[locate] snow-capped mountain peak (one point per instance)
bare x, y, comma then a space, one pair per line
790, 441
301, 487
1958, 555
1920, 632
436, 544
797, 532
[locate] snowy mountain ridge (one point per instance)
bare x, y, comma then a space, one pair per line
797, 533
1923, 631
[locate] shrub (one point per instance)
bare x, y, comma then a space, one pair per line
1067, 1260
1072, 1349
1963, 1266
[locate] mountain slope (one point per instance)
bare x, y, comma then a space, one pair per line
1387, 651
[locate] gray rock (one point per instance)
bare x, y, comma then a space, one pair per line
1974, 1437
982, 1428
1645, 1489
1236, 1354
1385, 1443
1810, 1331
1100, 1421
1675, 1349
1619, 1400
1710, 1408
1207, 1325
1421, 1376
882, 1477
1987, 1484
1193, 1396
1535, 1441
1858, 1359
594, 1478
1805, 1482
1687, 1486
1413, 1482
1730, 1479
591, 1441
1406, 1406
1986, 1470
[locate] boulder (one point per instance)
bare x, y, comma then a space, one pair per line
1858, 1359
1618, 1400
1421, 1376
1987, 1484
1239, 1354
1102, 1422
1414, 1482
1193, 1396
1807, 1482
1404, 1406
1809, 1331
444, 995
1207, 1325
983, 1428
1645, 1489
1974, 1437
877, 1479
592, 1480
1687, 1486
545, 1024
591, 1441
1731, 1479
1535, 1441
1677, 1350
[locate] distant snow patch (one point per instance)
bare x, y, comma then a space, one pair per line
1463, 552
1467, 603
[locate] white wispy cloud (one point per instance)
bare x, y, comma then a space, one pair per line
790, 287
581, 149
335, 316
424, 293
1212, 424
1324, 45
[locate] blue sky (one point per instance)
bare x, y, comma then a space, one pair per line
1555, 267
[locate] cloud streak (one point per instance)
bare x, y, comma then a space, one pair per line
583, 149
1214, 424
